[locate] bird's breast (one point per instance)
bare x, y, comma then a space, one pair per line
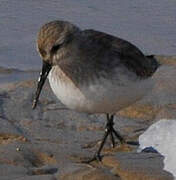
100, 96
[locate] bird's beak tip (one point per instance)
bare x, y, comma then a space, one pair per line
43, 75
34, 104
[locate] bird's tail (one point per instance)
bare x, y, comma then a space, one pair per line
153, 63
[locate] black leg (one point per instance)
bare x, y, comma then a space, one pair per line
108, 131
110, 119
97, 155
110, 124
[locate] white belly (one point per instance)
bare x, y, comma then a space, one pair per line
102, 96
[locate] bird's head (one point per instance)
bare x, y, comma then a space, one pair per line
52, 39
52, 42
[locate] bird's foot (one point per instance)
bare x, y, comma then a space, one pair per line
96, 157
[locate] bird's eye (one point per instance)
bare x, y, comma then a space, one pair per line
55, 48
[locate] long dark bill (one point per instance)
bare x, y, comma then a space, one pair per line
43, 75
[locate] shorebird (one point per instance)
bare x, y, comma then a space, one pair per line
93, 72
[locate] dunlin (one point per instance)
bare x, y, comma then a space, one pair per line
93, 72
